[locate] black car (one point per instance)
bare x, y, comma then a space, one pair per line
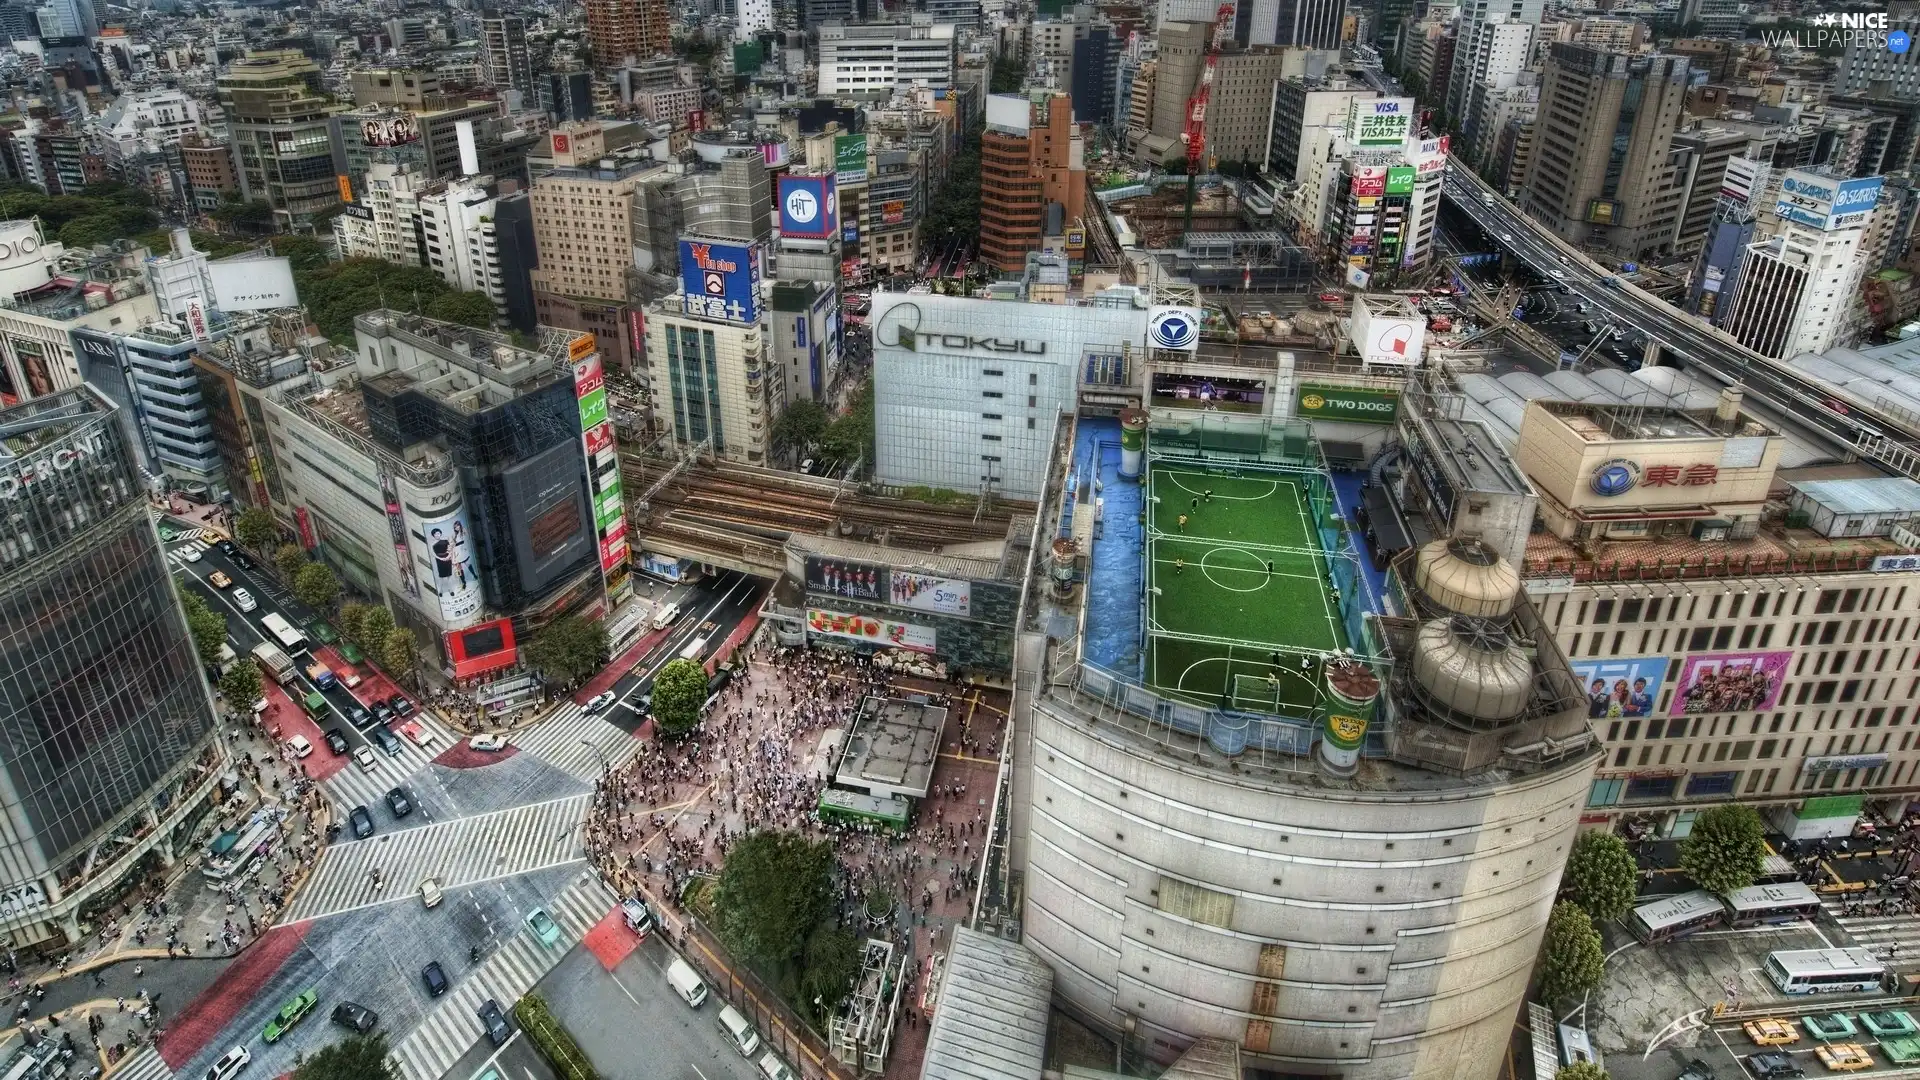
355, 1017
435, 978
495, 1023
1772, 1065
227, 548
362, 822
397, 802
382, 711
240, 560
336, 742
1696, 1070
400, 705
360, 717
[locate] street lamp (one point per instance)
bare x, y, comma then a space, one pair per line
595, 747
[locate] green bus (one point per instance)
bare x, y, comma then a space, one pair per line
859, 808
316, 704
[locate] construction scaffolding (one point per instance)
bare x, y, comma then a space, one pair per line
861, 1033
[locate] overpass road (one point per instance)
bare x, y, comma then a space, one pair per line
1697, 345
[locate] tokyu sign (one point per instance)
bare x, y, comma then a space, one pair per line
1347, 404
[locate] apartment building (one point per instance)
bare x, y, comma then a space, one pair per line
618, 29
875, 59
1033, 175
505, 60
281, 123
582, 207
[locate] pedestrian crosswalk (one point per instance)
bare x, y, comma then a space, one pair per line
145, 1065
580, 745
1893, 937
176, 550
453, 1025
354, 786
454, 853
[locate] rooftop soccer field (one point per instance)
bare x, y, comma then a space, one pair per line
1239, 601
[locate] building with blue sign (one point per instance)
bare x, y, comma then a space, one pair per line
710, 358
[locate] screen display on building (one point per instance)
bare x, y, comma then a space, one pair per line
720, 280
479, 649
549, 515
1191, 390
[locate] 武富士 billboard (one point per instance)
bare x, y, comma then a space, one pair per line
721, 280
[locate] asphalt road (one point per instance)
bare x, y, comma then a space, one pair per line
709, 612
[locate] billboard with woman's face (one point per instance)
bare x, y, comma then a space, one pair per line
454, 575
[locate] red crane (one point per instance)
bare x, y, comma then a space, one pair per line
1195, 135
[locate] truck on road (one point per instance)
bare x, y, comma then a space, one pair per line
320, 675
276, 664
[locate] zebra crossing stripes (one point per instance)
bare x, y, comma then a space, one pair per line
145, 1065
577, 744
354, 786
1879, 933
451, 1027
455, 853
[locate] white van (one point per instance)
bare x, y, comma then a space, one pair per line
686, 982
745, 1039
665, 616
772, 1068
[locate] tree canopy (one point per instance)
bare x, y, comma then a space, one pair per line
398, 655
774, 909
1601, 876
97, 214
1571, 959
1581, 1070
255, 528
954, 210
208, 627
801, 426
569, 650
356, 1057
851, 436
678, 692
316, 587
289, 559
336, 292
1726, 848
241, 685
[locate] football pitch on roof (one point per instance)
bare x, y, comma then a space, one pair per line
1238, 603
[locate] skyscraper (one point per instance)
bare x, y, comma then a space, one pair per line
1032, 176
280, 121
1310, 24
505, 61
107, 739
617, 29
1603, 165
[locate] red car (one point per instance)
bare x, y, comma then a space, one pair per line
1332, 298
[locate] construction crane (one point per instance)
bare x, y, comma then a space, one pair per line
1195, 135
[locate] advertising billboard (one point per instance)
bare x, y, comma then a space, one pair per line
1369, 182
949, 596
850, 158
582, 347
1821, 202
197, 318
1191, 390
389, 130
1347, 404
1621, 686
1730, 682
1400, 180
397, 529
721, 280
483, 647
602, 462
839, 624
1386, 338
893, 212
252, 284
548, 513
853, 580
809, 207
455, 578
1380, 121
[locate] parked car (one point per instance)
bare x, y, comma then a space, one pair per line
244, 600
1773, 1065
300, 746
543, 926
1772, 1031
290, 1014
239, 560
336, 742
494, 1023
398, 802
230, 1064
491, 743
639, 919
400, 705
355, 1017
435, 978
1696, 1070
362, 822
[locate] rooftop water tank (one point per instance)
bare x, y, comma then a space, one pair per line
1466, 577
1472, 667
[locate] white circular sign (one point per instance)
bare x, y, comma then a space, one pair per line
802, 206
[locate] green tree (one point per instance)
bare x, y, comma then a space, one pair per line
775, 887
241, 685
466, 308
316, 587
954, 210
398, 656
375, 626
678, 692
1726, 848
289, 559
350, 619
568, 650
1007, 75
800, 426
1571, 960
256, 528
1601, 876
356, 1057
851, 436
828, 968
1581, 1070
334, 292
208, 627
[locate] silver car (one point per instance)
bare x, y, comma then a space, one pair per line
245, 600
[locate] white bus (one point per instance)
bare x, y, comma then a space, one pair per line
290, 639
1784, 902
1676, 916
1825, 971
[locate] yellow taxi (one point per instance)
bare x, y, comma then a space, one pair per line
1772, 1032
219, 580
1844, 1057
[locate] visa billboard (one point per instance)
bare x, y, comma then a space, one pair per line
720, 280
809, 207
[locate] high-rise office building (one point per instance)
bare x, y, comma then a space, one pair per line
1033, 176
1703, 153
619, 29
280, 119
505, 60
876, 59
1871, 66
1499, 47
582, 227
1468, 63
1800, 288
1603, 164
107, 729
1310, 24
